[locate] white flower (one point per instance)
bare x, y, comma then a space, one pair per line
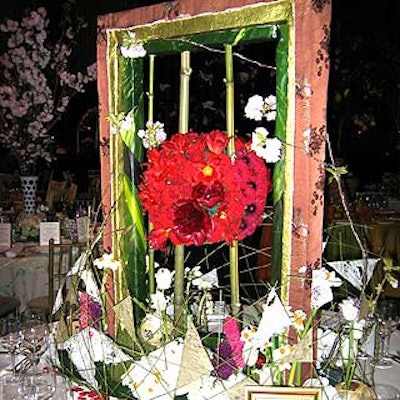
257, 108
202, 284
280, 355
259, 138
89, 346
158, 301
132, 47
394, 283
164, 278
298, 317
133, 51
269, 108
250, 350
153, 135
254, 108
107, 261
271, 152
349, 309
127, 123
266, 148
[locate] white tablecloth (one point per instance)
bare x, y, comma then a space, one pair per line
24, 277
390, 376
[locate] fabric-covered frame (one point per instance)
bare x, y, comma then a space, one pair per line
300, 244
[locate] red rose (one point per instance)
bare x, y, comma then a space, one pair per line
191, 223
208, 195
217, 141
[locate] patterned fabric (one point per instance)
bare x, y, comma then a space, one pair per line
312, 31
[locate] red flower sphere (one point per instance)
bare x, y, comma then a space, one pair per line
195, 194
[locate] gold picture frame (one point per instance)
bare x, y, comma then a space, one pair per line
282, 393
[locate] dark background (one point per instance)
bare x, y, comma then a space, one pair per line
364, 99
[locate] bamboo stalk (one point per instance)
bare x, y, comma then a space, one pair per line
152, 285
179, 255
230, 130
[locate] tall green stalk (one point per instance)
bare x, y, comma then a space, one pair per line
150, 118
230, 130
180, 250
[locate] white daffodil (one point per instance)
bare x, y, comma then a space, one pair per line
298, 318
164, 278
280, 354
106, 261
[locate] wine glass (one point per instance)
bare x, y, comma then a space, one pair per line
388, 319
12, 339
386, 392
35, 342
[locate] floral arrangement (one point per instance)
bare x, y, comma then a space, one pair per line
216, 199
36, 85
253, 348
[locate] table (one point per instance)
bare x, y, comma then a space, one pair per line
24, 277
391, 375
379, 238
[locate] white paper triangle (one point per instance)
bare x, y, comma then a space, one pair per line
353, 270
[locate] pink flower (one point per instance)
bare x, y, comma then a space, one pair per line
232, 333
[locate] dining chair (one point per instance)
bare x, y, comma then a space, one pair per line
9, 305
61, 259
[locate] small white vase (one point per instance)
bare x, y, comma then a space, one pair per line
29, 188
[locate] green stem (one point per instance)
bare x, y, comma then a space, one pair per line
178, 288
180, 250
295, 370
230, 130
152, 284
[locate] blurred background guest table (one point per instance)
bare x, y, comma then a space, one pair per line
380, 237
25, 275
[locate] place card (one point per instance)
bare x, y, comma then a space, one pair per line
5, 235
82, 228
49, 230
